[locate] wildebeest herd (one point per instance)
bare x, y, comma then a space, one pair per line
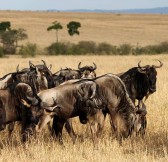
35, 96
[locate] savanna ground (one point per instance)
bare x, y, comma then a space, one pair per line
114, 29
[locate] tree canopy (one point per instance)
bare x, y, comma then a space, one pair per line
73, 28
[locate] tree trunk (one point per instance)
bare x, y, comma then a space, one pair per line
57, 36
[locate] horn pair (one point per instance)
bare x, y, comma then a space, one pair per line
155, 66
94, 68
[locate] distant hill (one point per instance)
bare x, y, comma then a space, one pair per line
158, 10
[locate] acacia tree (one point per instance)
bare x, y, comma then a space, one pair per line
73, 28
10, 38
55, 26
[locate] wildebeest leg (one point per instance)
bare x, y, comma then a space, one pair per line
24, 123
10, 129
2, 116
58, 124
49, 127
142, 118
70, 130
93, 127
118, 126
101, 116
45, 119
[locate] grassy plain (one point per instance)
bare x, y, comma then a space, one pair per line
154, 147
103, 27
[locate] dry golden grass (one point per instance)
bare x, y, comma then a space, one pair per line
154, 147
99, 27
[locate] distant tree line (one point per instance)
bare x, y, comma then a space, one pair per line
10, 43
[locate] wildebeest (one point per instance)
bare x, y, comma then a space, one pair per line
12, 108
43, 69
140, 81
111, 95
68, 73
66, 101
33, 79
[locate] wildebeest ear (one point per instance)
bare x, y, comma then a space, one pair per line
25, 103
49, 67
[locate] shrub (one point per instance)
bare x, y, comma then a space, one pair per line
28, 50
138, 50
124, 49
152, 49
82, 47
163, 47
87, 47
59, 48
105, 48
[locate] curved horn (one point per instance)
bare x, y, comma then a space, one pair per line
161, 64
44, 62
17, 68
20, 72
79, 65
31, 64
95, 66
139, 64
142, 66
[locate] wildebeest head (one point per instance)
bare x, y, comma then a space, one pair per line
28, 103
65, 74
151, 74
87, 90
34, 76
87, 71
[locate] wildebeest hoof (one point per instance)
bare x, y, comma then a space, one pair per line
83, 120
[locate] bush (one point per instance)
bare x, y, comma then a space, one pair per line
152, 49
59, 48
124, 49
28, 50
1, 52
87, 47
105, 48
157, 49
